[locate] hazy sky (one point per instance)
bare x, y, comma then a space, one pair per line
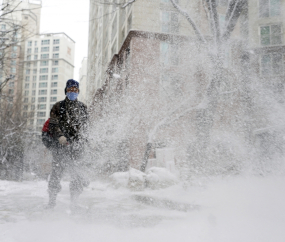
71, 17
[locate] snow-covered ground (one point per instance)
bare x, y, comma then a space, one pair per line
221, 209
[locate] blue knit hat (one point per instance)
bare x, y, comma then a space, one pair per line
71, 83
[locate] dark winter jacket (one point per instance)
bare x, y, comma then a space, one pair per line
70, 122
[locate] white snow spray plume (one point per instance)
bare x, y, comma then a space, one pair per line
201, 106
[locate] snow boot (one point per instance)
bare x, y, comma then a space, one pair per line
52, 201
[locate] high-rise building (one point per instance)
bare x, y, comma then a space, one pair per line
48, 64
22, 21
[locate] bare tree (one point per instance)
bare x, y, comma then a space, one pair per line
13, 117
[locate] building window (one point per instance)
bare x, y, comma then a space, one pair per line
122, 35
271, 35
54, 77
27, 78
269, 8
35, 57
26, 93
42, 106
129, 22
43, 77
55, 56
34, 93
11, 84
169, 23
14, 55
30, 43
43, 84
35, 71
28, 64
55, 63
114, 27
33, 99
45, 42
54, 84
53, 99
36, 43
114, 47
3, 26
42, 99
44, 56
36, 50
15, 48
40, 121
168, 54
25, 114
28, 71
56, 48
26, 100
45, 49
11, 92
44, 63
29, 50
55, 70
27, 86
13, 70
272, 65
29, 57
25, 107
42, 92
34, 85
56, 41
44, 70
41, 114
13, 62
53, 92
34, 78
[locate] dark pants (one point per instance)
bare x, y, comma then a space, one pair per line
67, 159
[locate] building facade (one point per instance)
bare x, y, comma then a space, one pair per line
83, 80
110, 24
48, 64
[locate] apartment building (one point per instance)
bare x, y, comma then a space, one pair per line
22, 23
83, 80
111, 23
48, 64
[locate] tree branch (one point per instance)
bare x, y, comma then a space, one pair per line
234, 10
128, 3
189, 19
214, 17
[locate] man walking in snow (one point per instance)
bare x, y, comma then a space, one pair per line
68, 123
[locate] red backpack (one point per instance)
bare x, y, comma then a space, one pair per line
48, 139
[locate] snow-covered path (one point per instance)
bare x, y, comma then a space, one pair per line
228, 209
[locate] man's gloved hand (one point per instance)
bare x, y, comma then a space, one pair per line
62, 140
